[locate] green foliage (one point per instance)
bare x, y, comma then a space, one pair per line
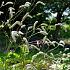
18, 61
27, 36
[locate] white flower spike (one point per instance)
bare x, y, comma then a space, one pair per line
13, 35
17, 22
9, 3
1, 12
11, 11
40, 2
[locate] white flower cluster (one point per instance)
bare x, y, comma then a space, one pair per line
66, 49
34, 26
24, 17
11, 11
35, 56
53, 67
1, 12
53, 43
59, 24
7, 22
30, 67
61, 43
30, 27
17, 22
9, 3
27, 4
33, 46
23, 26
15, 34
43, 32
26, 41
3, 3
40, 2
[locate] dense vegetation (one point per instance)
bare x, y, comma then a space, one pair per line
35, 35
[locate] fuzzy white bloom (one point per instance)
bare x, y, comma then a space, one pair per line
9, 3
43, 32
23, 26
43, 24
66, 49
27, 4
30, 67
29, 16
21, 6
54, 66
35, 23
46, 42
25, 16
65, 13
1, 12
34, 26
40, 53
33, 46
39, 14
30, 27
11, 8
2, 3
53, 43
11, 11
54, 14
14, 34
17, 22
7, 22
38, 43
61, 43
43, 28
40, 2
59, 24
34, 56
19, 32
39, 29
47, 11
26, 42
